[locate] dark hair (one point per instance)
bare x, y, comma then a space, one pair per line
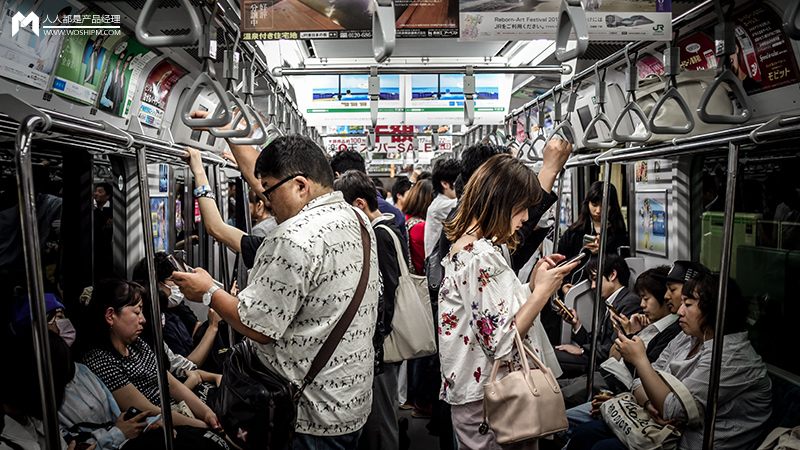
499, 189
21, 378
294, 154
400, 187
424, 175
110, 293
253, 197
472, 158
613, 263
348, 160
446, 170
418, 199
106, 187
651, 281
355, 184
583, 224
162, 266
706, 286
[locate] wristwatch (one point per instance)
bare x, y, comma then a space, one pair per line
208, 294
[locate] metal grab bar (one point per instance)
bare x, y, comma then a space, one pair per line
383, 30
672, 68
775, 123
571, 16
726, 46
790, 21
233, 131
180, 40
33, 265
600, 115
374, 90
469, 97
631, 84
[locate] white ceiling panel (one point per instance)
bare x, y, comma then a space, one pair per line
407, 48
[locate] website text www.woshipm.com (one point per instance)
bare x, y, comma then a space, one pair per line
83, 32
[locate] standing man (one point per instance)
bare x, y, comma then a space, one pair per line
305, 275
445, 172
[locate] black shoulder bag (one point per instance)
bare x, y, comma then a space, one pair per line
257, 407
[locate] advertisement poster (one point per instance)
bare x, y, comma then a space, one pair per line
344, 19
697, 52
29, 55
83, 61
156, 93
651, 222
158, 217
764, 58
122, 76
653, 171
609, 20
389, 149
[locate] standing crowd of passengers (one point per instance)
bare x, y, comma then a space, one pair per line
469, 226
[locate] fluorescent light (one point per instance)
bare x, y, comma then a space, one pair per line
533, 53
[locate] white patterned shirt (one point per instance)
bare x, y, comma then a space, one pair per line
305, 274
479, 298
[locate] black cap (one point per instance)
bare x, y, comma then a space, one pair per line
682, 271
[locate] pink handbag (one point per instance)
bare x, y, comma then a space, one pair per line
525, 404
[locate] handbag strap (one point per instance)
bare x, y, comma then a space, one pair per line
336, 335
685, 397
398, 250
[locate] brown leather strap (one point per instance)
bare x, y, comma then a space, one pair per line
336, 335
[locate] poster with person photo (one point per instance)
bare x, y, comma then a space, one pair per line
83, 60
122, 76
157, 87
29, 56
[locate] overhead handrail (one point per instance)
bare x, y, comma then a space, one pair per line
383, 30
772, 124
571, 16
230, 71
206, 78
600, 115
248, 87
726, 46
672, 68
540, 137
469, 97
631, 107
405, 69
181, 40
564, 128
790, 17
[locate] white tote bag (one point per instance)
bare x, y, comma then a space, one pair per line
412, 333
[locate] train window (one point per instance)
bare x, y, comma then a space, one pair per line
766, 241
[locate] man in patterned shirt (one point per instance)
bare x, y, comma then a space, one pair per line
305, 274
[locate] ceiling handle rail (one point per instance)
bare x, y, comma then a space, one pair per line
600, 116
206, 78
672, 68
182, 40
571, 16
631, 107
383, 30
726, 46
772, 124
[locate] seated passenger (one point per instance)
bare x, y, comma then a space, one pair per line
744, 401
574, 359
123, 361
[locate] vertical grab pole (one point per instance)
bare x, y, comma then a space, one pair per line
223, 251
557, 231
155, 307
724, 274
241, 273
33, 270
601, 262
188, 216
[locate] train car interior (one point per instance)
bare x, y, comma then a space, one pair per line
120, 119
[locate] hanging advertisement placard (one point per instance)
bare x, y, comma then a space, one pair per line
651, 222
619, 20
83, 60
344, 19
122, 76
30, 39
157, 87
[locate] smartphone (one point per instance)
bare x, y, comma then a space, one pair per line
564, 308
589, 239
131, 413
616, 325
611, 308
566, 261
177, 266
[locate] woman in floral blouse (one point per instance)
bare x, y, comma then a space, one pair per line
482, 303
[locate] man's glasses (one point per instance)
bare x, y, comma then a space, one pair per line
278, 184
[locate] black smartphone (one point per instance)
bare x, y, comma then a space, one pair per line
611, 308
616, 325
564, 308
177, 266
566, 261
131, 413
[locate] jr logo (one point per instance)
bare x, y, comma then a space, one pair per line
20, 20
659, 27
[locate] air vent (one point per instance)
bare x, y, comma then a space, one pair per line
162, 4
601, 50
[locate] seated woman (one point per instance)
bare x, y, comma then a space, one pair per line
744, 402
112, 324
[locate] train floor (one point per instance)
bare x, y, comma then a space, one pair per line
418, 434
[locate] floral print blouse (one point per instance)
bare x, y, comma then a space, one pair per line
479, 297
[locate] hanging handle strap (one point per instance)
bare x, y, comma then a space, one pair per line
600, 116
631, 107
571, 16
672, 68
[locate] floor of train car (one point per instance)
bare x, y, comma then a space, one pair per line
417, 433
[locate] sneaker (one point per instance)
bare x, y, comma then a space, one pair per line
421, 413
406, 406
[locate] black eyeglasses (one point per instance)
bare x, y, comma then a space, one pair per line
277, 185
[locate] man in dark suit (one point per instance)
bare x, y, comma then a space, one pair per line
574, 359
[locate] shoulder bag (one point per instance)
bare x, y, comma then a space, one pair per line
525, 404
256, 406
632, 424
412, 333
